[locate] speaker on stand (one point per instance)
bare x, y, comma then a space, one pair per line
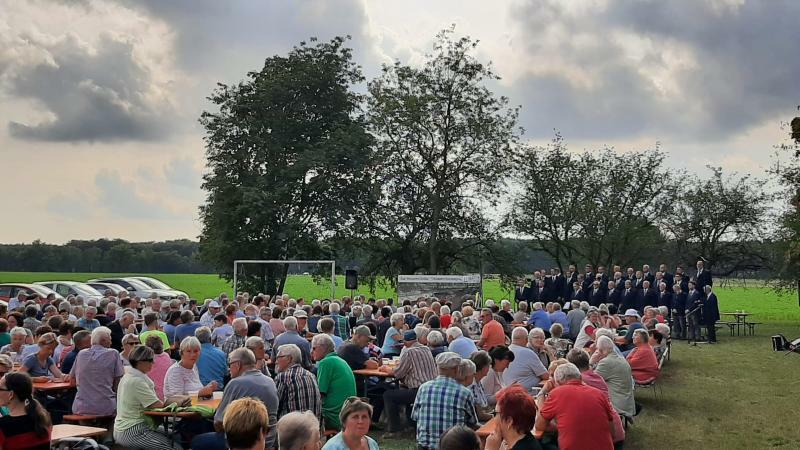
351, 280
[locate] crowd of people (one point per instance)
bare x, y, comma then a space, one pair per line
558, 362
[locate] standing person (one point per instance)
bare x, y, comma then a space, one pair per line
341, 325
702, 277
679, 312
571, 279
443, 403
27, 425
694, 304
522, 293
710, 314
336, 380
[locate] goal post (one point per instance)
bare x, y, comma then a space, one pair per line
242, 262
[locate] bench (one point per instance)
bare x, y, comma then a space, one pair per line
83, 419
751, 327
731, 325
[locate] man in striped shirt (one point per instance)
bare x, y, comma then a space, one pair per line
416, 366
297, 387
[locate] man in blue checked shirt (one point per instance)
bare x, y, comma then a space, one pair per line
341, 324
442, 403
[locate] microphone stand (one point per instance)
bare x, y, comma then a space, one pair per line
690, 341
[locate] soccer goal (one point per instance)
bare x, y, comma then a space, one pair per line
240, 264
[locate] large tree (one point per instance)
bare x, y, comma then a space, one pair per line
788, 173
444, 142
286, 155
722, 219
601, 207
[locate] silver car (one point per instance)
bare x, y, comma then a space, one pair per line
66, 288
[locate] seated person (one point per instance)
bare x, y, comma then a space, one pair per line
40, 365
183, 377
97, 372
642, 359
436, 342
526, 369
560, 345
27, 425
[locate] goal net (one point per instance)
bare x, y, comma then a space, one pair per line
309, 279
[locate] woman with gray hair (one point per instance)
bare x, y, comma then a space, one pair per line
183, 377
256, 345
394, 336
18, 337
129, 342
356, 417
298, 431
135, 394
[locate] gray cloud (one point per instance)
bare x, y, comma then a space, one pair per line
99, 94
181, 172
120, 198
742, 69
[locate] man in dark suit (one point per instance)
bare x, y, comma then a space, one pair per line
572, 277
648, 275
577, 292
664, 296
683, 281
522, 293
668, 277
703, 276
630, 274
619, 281
637, 281
649, 297
588, 278
630, 297
602, 276
549, 283
559, 284
597, 294
679, 312
710, 314
614, 295
694, 303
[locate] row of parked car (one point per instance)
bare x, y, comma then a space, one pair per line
142, 287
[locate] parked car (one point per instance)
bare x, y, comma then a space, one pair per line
103, 287
11, 290
137, 288
66, 288
155, 283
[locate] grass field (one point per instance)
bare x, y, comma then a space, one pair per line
735, 395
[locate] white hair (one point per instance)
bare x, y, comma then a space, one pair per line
489, 303
454, 332
254, 342
566, 372
605, 345
334, 307
435, 338
203, 334
239, 323
396, 317
323, 340
604, 332
445, 310
292, 351
290, 323
519, 333
19, 331
663, 329
504, 303
98, 334
422, 331
536, 332
465, 369
296, 429
189, 343
367, 310
536, 306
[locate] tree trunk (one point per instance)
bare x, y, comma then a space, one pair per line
284, 274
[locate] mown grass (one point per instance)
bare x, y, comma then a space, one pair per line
735, 395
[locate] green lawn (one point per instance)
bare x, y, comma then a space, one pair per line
738, 394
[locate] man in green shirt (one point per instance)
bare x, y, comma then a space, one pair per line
151, 322
336, 380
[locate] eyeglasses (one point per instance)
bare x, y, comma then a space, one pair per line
281, 356
146, 360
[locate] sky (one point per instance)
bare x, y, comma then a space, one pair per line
100, 100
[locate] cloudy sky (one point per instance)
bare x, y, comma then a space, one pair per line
99, 100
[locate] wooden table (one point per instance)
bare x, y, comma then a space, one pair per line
50, 386
741, 320
367, 373
64, 431
212, 403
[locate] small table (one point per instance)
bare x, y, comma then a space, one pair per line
51, 386
64, 431
212, 403
741, 320
367, 373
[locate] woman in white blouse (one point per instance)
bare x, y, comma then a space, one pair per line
183, 377
493, 381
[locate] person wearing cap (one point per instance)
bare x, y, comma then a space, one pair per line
416, 366
442, 403
354, 352
207, 319
633, 320
302, 323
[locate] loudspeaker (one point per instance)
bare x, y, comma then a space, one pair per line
350, 279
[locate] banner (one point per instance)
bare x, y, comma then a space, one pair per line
452, 288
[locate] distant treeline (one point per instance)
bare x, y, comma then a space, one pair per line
104, 255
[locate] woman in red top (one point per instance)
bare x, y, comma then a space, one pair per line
445, 319
27, 426
643, 361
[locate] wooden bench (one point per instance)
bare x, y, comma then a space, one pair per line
751, 327
84, 419
731, 325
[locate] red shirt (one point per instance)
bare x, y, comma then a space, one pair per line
582, 414
644, 364
446, 320
493, 335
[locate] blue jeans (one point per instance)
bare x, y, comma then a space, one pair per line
210, 441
